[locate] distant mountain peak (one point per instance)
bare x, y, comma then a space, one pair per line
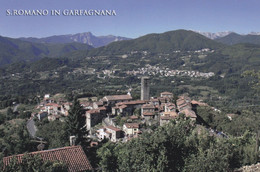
216, 35
85, 38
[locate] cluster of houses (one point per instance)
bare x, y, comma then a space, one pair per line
138, 112
52, 109
156, 70
160, 110
122, 118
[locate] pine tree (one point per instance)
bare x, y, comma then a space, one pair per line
75, 122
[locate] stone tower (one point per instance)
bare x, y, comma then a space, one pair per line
145, 89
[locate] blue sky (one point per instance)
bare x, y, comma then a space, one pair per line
134, 17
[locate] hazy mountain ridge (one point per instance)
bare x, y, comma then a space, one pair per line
235, 38
160, 43
216, 35
231, 38
85, 38
16, 50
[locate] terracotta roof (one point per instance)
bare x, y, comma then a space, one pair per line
180, 102
73, 156
133, 117
86, 104
102, 108
132, 102
118, 97
93, 111
148, 113
189, 113
170, 104
187, 105
131, 125
168, 117
52, 104
170, 114
122, 107
199, 103
166, 93
113, 128
148, 106
99, 103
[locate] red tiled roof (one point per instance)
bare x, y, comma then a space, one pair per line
199, 103
148, 106
102, 108
148, 113
86, 104
170, 114
122, 107
166, 92
180, 102
92, 111
99, 103
131, 125
52, 104
118, 97
189, 113
133, 117
73, 156
113, 128
168, 117
132, 102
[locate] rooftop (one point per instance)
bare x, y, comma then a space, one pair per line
132, 125
73, 156
166, 93
118, 97
113, 128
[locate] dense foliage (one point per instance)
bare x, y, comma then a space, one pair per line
234, 38
75, 122
53, 133
14, 138
179, 146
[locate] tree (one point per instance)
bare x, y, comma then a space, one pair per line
75, 122
53, 132
108, 158
16, 138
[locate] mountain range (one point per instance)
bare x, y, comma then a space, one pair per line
84, 38
218, 35
77, 45
234, 38
160, 43
16, 50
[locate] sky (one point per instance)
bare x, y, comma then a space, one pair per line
133, 18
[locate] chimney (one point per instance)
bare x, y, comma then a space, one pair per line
72, 140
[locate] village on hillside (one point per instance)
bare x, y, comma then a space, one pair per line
119, 117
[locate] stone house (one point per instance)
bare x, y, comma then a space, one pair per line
166, 94
110, 132
148, 111
112, 100
167, 116
131, 129
93, 117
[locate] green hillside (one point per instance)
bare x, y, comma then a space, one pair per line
235, 38
15, 50
160, 43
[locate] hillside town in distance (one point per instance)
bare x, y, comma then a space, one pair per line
119, 117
